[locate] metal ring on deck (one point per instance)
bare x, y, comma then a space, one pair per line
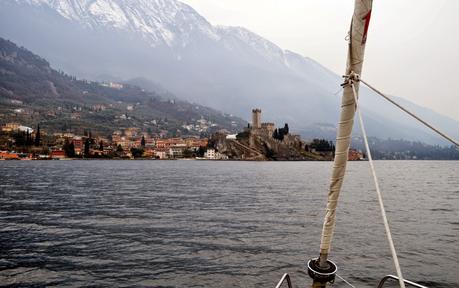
319, 274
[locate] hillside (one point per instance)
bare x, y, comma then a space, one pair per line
228, 68
32, 93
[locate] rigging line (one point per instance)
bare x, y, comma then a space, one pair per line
378, 191
338, 91
345, 281
455, 142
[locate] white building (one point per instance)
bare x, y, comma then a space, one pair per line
25, 129
210, 153
161, 153
176, 151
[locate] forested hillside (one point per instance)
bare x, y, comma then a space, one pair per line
32, 93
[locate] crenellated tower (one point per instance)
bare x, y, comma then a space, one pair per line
256, 118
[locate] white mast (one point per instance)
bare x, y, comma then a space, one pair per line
357, 39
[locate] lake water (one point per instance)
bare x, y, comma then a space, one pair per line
220, 224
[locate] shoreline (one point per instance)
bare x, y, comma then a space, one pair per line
214, 160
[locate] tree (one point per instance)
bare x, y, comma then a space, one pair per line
286, 130
187, 153
201, 151
242, 135
20, 138
322, 145
28, 141
119, 148
101, 146
142, 142
69, 149
279, 134
37, 136
137, 152
87, 143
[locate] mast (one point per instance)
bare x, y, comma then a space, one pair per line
322, 270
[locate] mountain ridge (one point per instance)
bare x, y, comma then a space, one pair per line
227, 68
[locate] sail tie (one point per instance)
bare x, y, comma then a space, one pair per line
378, 191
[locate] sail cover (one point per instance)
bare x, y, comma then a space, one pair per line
357, 39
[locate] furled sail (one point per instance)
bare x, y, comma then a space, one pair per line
357, 39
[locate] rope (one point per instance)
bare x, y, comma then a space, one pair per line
345, 281
378, 191
455, 142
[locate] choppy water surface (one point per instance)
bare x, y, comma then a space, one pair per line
219, 224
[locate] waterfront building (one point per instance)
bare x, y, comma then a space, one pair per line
162, 143
176, 151
5, 155
210, 154
161, 153
78, 144
57, 154
354, 155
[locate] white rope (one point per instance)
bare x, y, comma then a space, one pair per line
378, 191
345, 281
455, 142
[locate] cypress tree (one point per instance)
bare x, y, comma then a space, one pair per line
28, 140
142, 142
86, 147
72, 149
286, 130
20, 138
281, 134
37, 136
275, 134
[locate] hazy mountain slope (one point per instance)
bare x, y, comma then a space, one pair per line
32, 93
166, 41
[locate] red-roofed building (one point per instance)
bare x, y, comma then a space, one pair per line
57, 154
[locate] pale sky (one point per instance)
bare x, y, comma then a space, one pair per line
412, 48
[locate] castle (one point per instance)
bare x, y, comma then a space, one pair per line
259, 127
269, 134
263, 141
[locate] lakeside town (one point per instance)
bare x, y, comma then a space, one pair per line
259, 141
24, 143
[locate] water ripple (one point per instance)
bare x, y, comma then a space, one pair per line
219, 224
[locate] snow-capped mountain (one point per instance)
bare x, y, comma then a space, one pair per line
168, 42
159, 22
